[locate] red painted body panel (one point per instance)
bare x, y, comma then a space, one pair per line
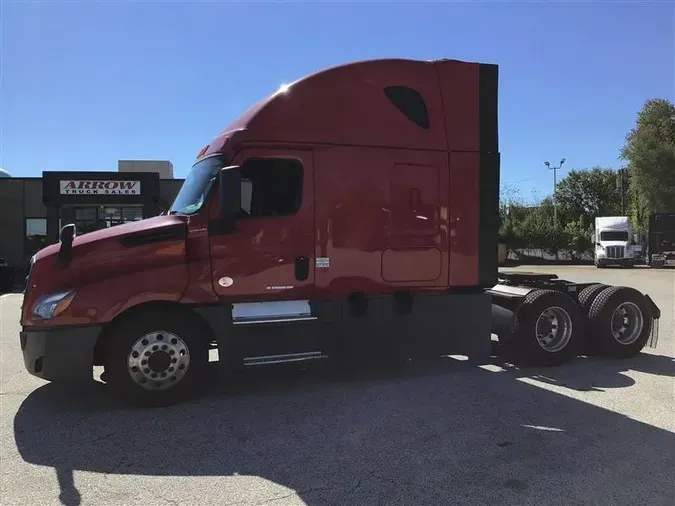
345, 105
358, 137
259, 256
109, 277
459, 92
464, 223
389, 204
198, 252
365, 211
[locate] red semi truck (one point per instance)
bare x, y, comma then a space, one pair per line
352, 212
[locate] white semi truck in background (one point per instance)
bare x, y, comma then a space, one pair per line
614, 242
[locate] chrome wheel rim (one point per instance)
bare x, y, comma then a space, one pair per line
627, 323
158, 360
554, 329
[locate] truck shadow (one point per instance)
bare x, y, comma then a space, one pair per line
592, 373
437, 433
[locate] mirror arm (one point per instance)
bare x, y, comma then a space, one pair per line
229, 190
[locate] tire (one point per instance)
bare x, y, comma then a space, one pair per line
588, 295
586, 298
630, 340
171, 341
563, 312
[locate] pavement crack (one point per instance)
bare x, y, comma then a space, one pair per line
267, 501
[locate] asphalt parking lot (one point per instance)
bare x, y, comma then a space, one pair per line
594, 432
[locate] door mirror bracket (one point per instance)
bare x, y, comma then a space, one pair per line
229, 189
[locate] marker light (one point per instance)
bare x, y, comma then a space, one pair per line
202, 151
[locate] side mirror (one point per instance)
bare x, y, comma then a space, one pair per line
67, 234
598, 244
229, 188
65, 251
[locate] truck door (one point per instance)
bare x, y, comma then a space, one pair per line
265, 268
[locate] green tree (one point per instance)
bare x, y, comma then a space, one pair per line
585, 194
509, 204
650, 152
578, 237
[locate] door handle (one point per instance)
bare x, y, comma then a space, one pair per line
301, 268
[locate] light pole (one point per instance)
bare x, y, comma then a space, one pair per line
621, 180
555, 181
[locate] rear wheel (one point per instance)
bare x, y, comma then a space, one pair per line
156, 360
586, 298
620, 322
547, 328
588, 295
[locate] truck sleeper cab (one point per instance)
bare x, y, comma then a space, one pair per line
353, 213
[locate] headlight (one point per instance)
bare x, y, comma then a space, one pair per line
53, 305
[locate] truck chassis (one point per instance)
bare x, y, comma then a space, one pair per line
545, 320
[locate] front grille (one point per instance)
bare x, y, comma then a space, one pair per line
615, 251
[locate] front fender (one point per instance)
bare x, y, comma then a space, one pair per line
102, 301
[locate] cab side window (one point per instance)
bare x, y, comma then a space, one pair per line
271, 187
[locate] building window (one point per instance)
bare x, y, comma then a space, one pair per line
132, 214
410, 103
271, 187
90, 218
85, 213
36, 235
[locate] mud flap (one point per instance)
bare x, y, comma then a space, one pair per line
656, 315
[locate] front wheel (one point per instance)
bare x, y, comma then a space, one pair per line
156, 360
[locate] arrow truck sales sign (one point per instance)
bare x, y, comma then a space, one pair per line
99, 187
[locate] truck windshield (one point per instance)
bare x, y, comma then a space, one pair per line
198, 182
614, 235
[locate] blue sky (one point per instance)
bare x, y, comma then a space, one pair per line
87, 83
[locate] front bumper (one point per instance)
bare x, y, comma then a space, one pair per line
660, 261
60, 354
616, 261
